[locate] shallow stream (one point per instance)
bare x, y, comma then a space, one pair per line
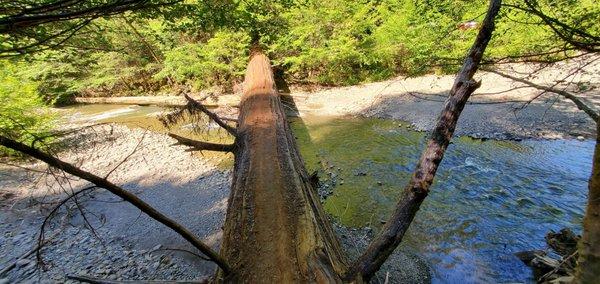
490, 198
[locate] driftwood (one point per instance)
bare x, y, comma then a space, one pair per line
199, 145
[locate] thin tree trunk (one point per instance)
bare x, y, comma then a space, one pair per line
588, 264
275, 230
418, 187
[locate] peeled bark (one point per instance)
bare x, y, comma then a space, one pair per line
275, 230
588, 264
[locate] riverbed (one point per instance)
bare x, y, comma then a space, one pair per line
491, 198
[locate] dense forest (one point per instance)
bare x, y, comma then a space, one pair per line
203, 45
54, 51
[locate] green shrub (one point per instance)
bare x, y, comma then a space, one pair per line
218, 62
23, 114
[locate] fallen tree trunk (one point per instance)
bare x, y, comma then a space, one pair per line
275, 230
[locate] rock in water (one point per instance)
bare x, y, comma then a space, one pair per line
564, 242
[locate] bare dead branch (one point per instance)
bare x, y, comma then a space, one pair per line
41, 237
570, 34
128, 156
418, 187
211, 115
581, 104
199, 145
228, 119
125, 195
186, 251
36, 16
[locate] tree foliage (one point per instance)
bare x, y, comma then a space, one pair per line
23, 115
152, 47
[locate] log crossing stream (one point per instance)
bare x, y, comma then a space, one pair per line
490, 198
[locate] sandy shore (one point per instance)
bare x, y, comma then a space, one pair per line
501, 108
498, 109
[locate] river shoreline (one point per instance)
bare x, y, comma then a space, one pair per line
124, 243
500, 109
131, 246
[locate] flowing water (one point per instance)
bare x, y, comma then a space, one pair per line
490, 198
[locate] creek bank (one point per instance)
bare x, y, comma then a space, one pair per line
127, 245
500, 109
557, 263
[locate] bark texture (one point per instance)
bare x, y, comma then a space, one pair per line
588, 264
418, 187
275, 230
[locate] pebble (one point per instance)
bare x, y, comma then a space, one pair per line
157, 247
23, 262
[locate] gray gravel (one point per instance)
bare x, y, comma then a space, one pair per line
126, 244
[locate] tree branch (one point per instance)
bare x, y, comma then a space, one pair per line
588, 108
210, 114
418, 187
125, 195
34, 17
199, 145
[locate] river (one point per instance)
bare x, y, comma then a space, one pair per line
490, 198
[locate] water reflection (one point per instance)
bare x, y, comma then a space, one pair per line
147, 117
490, 198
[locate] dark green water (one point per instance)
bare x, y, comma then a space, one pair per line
490, 198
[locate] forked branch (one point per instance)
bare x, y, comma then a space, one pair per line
210, 114
418, 187
125, 195
199, 145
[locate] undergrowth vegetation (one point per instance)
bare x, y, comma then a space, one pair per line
22, 112
204, 45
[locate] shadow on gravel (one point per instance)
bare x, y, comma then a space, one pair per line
129, 244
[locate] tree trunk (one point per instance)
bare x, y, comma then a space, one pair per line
275, 230
588, 264
420, 182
